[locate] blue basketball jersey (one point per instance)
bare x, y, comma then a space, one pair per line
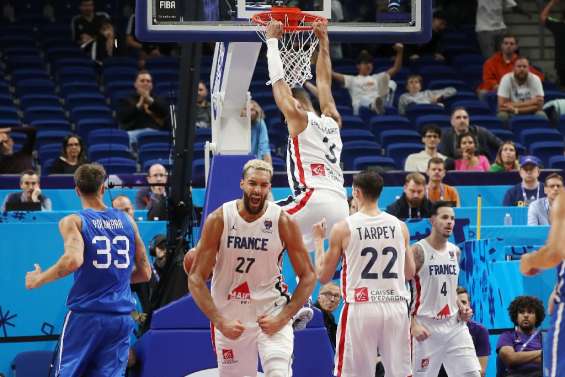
102, 283
560, 289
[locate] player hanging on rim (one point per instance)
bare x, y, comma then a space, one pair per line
438, 331
314, 143
249, 307
373, 248
100, 245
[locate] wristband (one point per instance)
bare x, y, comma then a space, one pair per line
274, 62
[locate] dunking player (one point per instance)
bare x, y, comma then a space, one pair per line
373, 246
314, 144
100, 244
438, 331
549, 256
250, 310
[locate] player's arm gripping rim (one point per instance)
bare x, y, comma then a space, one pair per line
296, 118
142, 270
324, 73
204, 260
69, 262
298, 255
418, 331
326, 263
553, 252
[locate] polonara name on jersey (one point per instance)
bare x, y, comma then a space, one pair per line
107, 224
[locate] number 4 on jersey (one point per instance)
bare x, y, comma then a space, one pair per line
443, 289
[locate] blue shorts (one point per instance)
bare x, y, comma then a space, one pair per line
554, 345
94, 344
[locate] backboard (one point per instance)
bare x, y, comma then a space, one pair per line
385, 21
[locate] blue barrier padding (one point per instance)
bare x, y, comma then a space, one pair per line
223, 181
493, 215
39, 311
513, 235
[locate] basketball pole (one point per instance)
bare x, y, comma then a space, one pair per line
479, 211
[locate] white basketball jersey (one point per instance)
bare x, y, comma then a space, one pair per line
436, 283
373, 262
313, 157
247, 280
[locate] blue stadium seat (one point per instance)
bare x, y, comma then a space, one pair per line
30, 62
165, 75
76, 74
162, 62
119, 61
279, 164
47, 165
84, 99
49, 152
49, 137
116, 165
101, 136
399, 151
343, 110
153, 137
154, 151
380, 123
88, 112
399, 136
34, 100
51, 125
29, 74
473, 107
198, 171
503, 134
118, 85
414, 111
85, 126
33, 86
44, 113
355, 134
557, 162
487, 121
6, 100
119, 73
363, 162
203, 134
442, 121
33, 364
353, 149
56, 53
9, 113
98, 151
353, 121
437, 72
550, 95
462, 60
544, 150
532, 135
521, 122
70, 88
460, 85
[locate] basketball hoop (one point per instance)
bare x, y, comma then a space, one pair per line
297, 43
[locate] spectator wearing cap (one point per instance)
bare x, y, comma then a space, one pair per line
529, 189
539, 210
486, 143
500, 64
30, 198
520, 92
431, 135
413, 203
12, 162
367, 89
415, 94
154, 197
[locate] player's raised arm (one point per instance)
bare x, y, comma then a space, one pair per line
69, 262
296, 118
552, 253
324, 73
142, 271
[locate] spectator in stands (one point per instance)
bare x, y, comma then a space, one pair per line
557, 28
530, 189
436, 189
478, 332
520, 92
154, 197
73, 154
520, 350
30, 198
433, 47
486, 142
413, 203
368, 89
490, 26
203, 110
106, 42
538, 210
144, 50
414, 94
86, 26
142, 111
260, 147
328, 301
16, 162
469, 160
124, 203
500, 64
506, 158
431, 135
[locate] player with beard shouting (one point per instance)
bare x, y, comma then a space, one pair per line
250, 309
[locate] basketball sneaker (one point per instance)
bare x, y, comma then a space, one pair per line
301, 318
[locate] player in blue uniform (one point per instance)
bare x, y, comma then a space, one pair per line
549, 256
101, 247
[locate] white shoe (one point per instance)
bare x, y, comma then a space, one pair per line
301, 318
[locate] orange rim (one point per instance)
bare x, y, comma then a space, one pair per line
290, 17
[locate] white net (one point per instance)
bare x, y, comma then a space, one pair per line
296, 49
